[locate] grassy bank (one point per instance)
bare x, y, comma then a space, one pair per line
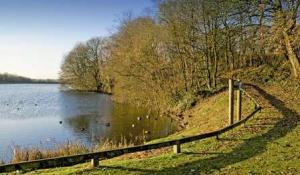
268, 144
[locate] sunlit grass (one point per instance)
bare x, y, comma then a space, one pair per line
267, 144
21, 154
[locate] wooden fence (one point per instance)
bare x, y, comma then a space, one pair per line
96, 156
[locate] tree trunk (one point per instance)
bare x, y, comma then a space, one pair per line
215, 67
292, 56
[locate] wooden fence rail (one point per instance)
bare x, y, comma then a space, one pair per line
96, 156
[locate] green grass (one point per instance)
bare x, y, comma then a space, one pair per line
269, 143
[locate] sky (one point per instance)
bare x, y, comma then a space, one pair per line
36, 34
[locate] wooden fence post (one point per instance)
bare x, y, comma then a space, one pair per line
176, 148
95, 162
231, 102
239, 101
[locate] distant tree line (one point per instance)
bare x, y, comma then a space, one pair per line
167, 59
10, 78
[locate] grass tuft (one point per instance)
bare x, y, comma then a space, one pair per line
21, 154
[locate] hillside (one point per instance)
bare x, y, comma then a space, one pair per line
10, 78
267, 144
169, 60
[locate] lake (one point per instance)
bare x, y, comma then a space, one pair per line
43, 115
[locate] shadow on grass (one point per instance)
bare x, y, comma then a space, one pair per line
249, 148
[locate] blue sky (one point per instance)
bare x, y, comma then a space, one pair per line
35, 34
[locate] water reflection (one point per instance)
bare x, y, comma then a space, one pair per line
35, 115
121, 122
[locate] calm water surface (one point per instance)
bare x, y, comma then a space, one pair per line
44, 115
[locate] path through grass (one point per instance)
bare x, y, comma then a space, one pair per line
267, 144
